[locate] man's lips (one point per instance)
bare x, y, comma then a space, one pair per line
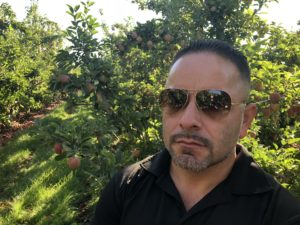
189, 142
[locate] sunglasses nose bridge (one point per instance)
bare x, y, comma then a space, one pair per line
191, 98
190, 118
187, 99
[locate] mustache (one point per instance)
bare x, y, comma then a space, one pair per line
190, 135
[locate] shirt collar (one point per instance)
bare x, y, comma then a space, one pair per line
158, 163
245, 178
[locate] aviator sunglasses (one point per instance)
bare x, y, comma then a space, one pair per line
208, 101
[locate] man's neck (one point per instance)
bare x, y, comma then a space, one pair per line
193, 186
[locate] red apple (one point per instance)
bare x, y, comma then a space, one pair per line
120, 47
134, 35
139, 39
58, 148
168, 37
293, 111
275, 97
73, 162
149, 44
266, 112
136, 153
258, 85
63, 78
90, 87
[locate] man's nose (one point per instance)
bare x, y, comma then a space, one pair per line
191, 118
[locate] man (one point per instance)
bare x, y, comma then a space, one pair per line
203, 176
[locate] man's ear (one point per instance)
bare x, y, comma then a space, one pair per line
249, 115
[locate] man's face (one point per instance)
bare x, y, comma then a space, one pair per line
197, 140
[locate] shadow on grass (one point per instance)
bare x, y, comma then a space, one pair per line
34, 187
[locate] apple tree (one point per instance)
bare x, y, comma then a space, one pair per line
121, 76
27, 53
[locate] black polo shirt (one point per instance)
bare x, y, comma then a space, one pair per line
144, 194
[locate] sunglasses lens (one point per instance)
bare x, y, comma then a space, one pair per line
209, 101
173, 98
213, 101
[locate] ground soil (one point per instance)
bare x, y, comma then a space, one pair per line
23, 121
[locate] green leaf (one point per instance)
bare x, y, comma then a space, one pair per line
293, 140
76, 8
90, 3
61, 156
71, 9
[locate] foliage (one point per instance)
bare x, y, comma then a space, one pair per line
135, 60
27, 51
276, 87
222, 19
111, 87
36, 188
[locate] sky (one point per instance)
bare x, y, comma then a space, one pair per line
285, 13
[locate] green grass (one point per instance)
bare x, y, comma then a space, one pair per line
37, 189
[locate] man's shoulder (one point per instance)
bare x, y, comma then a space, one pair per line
247, 177
152, 165
135, 170
253, 180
